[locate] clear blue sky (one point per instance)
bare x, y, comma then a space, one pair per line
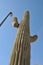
8, 33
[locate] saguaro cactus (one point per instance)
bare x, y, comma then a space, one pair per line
21, 48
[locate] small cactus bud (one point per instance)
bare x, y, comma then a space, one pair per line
15, 22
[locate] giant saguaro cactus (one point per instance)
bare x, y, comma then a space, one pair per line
21, 48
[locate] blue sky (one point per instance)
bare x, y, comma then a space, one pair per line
8, 33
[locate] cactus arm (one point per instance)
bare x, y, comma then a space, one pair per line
33, 38
15, 22
15, 25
